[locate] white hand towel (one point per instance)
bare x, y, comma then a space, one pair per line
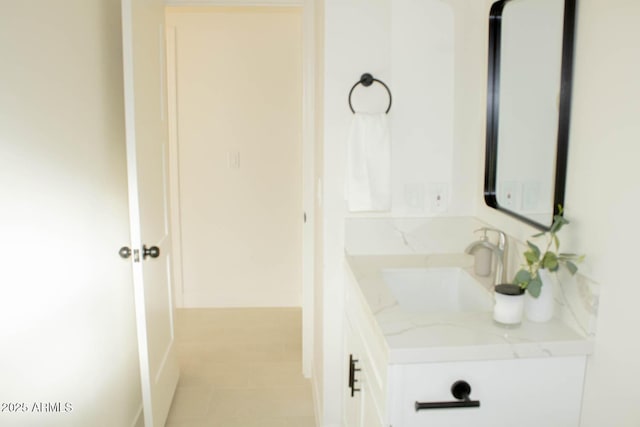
368, 180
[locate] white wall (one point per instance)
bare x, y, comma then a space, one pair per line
66, 299
239, 95
356, 41
602, 190
603, 200
412, 46
317, 374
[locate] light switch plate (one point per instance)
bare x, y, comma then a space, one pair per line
414, 196
233, 159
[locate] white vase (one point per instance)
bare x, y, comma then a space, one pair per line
541, 309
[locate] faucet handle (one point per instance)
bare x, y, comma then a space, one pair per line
501, 234
484, 230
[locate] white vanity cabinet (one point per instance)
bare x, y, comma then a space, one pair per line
519, 392
361, 394
365, 369
512, 390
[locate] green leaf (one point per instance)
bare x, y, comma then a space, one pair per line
556, 241
523, 277
575, 258
550, 261
534, 287
558, 222
567, 255
534, 248
573, 269
539, 234
531, 257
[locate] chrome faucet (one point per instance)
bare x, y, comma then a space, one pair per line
499, 250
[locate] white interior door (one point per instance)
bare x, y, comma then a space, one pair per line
67, 334
147, 162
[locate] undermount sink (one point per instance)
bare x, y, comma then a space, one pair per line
437, 290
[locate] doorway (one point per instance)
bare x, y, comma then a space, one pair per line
235, 85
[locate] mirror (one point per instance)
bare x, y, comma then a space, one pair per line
528, 107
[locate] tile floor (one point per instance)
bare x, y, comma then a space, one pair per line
240, 368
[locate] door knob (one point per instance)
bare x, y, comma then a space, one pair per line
153, 252
124, 252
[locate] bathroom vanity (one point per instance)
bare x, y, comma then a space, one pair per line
406, 346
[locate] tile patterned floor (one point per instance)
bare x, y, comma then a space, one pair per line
240, 368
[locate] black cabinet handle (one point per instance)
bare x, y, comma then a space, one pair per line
461, 391
352, 375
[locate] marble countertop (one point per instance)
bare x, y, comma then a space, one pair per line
420, 338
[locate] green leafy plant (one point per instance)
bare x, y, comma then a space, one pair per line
528, 277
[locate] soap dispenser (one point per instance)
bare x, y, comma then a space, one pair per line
483, 256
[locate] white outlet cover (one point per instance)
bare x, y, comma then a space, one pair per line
439, 197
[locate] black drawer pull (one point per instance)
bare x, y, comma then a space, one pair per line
352, 375
461, 391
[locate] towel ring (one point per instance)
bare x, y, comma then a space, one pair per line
367, 80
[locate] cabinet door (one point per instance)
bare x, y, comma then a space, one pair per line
523, 393
352, 399
360, 408
370, 416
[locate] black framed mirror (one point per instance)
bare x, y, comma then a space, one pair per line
528, 107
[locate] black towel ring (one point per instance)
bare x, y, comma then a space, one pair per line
367, 80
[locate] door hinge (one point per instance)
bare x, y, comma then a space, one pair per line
136, 255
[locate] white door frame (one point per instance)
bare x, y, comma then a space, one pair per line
308, 143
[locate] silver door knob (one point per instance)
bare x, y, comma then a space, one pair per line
153, 252
124, 252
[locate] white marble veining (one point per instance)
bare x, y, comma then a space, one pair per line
412, 337
380, 236
576, 297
